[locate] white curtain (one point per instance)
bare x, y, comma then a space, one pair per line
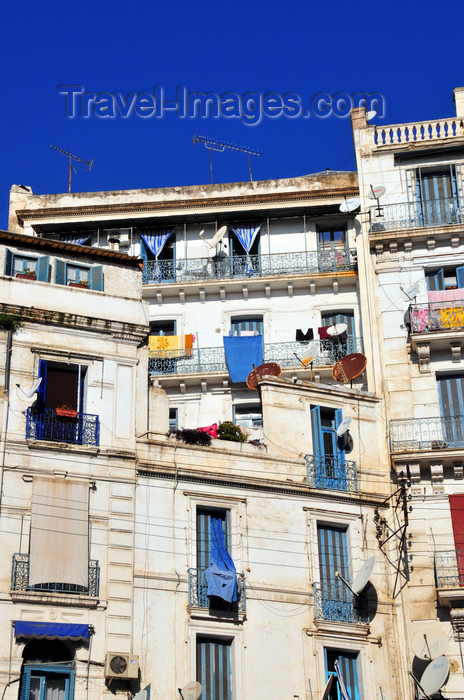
59, 544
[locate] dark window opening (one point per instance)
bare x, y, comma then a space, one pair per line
162, 328
62, 385
247, 325
173, 419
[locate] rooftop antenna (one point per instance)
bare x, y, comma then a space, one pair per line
72, 157
221, 146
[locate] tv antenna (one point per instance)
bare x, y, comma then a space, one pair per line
221, 146
72, 158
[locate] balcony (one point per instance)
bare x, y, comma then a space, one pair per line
20, 579
83, 429
248, 266
331, 473
204, 360
335, 602
437, 316
417, 434
198, 593
416, 214
449, 574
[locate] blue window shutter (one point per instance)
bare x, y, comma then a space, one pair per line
60, 271
213, 665
317, 432
204, 534
96, 278
8, 269
42, 390
460, 276
451, 395
435, 280
25, 678
143, 250
332, 552
340, 440
42, 267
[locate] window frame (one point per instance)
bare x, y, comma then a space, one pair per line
41, 269
224, 630
42, 670
236, 319
95, 275
238, 406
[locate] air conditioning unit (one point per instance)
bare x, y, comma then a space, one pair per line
121, 666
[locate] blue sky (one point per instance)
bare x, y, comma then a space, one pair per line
409, 53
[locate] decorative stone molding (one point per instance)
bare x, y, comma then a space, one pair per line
393, 248
245, 292
222, 293
458, 469
436, 472
455, 242
431, 245
312, 288
335, 286
267, 289
408, 248
423, 355
379, 250
290, 289
414, 472
202, 295
455, 348
182, 296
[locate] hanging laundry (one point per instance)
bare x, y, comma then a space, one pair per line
210, 430
173, 346
242, 352
221, 576
323, 335
300, 336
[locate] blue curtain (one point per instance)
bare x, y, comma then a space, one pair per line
73, 238
155, 239
246, 234
220, 575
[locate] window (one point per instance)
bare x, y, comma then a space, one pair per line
162, 365
328, 449
248, 415
347, 665
163, 266
213, 667
173, 419
162, 327
335, 601
436, 194
451, 397
47, 682
330, 318
78, 275
445, 278
204, 517
247, 325
24, 267
332, 239
243, 262
58, 413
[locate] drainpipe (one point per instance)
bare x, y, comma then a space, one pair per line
6, 407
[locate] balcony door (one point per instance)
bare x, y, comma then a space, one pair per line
333, 556
451, 397
437, 195
328, 449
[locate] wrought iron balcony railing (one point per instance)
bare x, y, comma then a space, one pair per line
334, 601
20, 579
198, 593
333, 473
248, 266
449, 569
415, 434
83, 429
203, 360
437, 316
416, 214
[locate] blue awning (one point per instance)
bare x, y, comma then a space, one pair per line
51, 630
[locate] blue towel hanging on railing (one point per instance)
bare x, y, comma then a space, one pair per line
221, 576
242, 352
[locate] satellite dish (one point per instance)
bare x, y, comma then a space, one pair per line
308, 357
435, 675
202, 235
371, 114
337, 329
362, 577
350, 205
218, 236
376, 192
349, 367
30, 392
191, 691
430, 643
266, 369
412, 292
344, 426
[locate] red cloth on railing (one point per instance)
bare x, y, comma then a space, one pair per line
210, 429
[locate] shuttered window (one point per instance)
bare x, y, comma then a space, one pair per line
67, 274
330, 319
47, 683
213, 660
333, 554
451, 396
252, 324
204, 533
348, 667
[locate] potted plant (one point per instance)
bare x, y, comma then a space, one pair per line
65, 411
26, 274
82, 283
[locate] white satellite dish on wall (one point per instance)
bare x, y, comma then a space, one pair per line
191, 691
430, 643
218, 236
412, 292
376, 192
350, 205
362, 577
344, 426
31, 391
435, 675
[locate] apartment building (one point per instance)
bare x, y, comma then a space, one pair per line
410, 179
